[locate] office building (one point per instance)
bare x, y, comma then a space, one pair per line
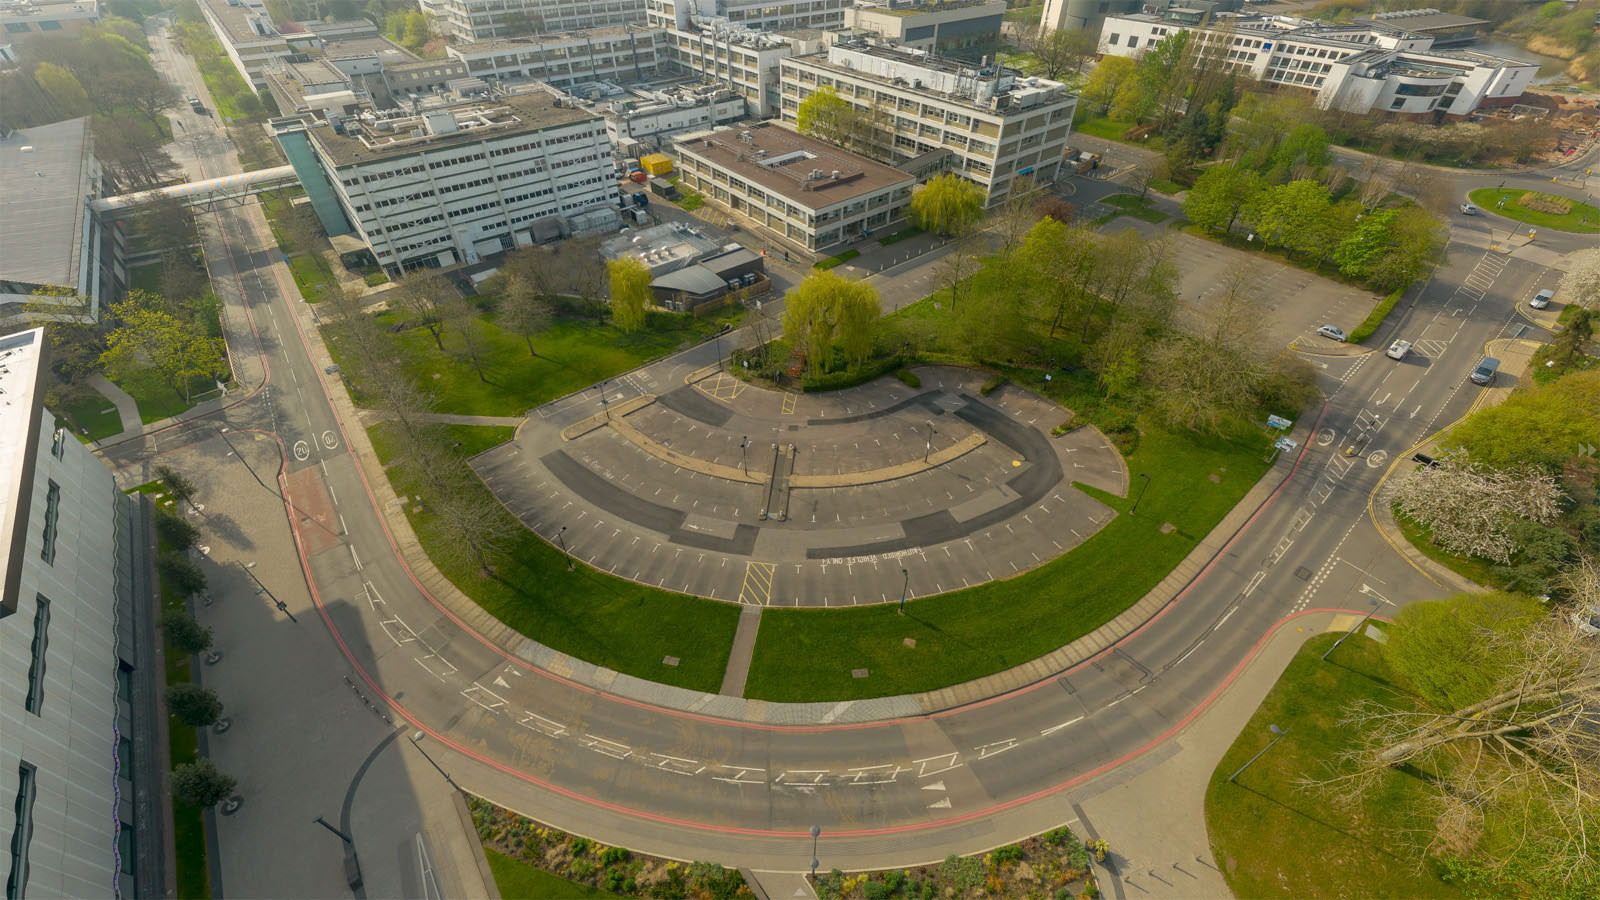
639, 120
804, 193
451, 185
21, 20
564, 60
928, 114
248, 37
50, 238
70, 638
1376, 67
484, 20
743, 58
952, 27
765, 15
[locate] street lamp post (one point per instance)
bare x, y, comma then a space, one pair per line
262, 589
604, 403
744, 456
815, 830
1280, 732
1143, 486
563, 541
416, 740
1374, 599
903, 588
928, 450
352, 864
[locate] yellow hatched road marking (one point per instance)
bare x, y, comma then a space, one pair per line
757, 587
788, 403
724, 387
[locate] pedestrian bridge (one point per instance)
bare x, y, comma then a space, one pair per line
201, 193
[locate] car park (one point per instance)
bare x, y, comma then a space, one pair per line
1542, 299
1398, 350
1469, 209
1332, 332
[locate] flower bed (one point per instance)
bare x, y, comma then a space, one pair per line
1053, 866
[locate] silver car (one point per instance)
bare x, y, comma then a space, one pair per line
1332, 332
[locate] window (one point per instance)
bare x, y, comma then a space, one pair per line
49, 25
1398, 102
1114, 39
41, 639
58, 443
52, 504
17, 882
1133, 41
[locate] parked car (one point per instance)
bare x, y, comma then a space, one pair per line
1469, 209
1485, 371
1398, 350
1542, 299
1332, 332
1588, 620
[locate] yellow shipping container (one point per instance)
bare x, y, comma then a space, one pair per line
656, 163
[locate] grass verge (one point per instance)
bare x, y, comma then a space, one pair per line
808, 655
1582, 218
1421, 537
312, 276
1167, 186
529, 882
91, 416
584, 613
1262, 824
836, 260
158, 400
899, 236
1129, 205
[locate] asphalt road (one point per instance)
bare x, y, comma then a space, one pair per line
890, 792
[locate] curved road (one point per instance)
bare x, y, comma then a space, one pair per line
894, 791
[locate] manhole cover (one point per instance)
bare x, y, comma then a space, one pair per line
858, 673
1302, 573
794, 427
669, 660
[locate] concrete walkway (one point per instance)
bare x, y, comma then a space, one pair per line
744, 649
132, 425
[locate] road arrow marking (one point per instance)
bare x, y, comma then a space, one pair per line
941, 804
501, 682
936, 786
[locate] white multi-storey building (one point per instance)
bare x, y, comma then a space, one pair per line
944, 27
989, 123
616, 53
247, 35
639, 119
742, 58
483, 20
66, 651
807, 194
1372, 67
452, 185
766, 15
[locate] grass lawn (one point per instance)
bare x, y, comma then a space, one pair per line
899, 236
572, 354
1166, 186
1274, 837
1582, 218
157, 400
145, 278
1137, 207
1472, 569
585, 613
91, 415
804, 655
838, 259
523, 881
1111, 129
312, 276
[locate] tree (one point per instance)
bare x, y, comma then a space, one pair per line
1282, 214
185, 575
177, 531
186, 636
178, 485
71, 333
1162, 77
416, 33
1107, 80
958, 263
1581, 284
1470, 507
149, 338
630, 292
523, 309
948, 204
63, 88
166, 223
200, 784
424, 292
1219, 194
826, 307
464, 321
1061, 49
1508, 773
194, 705
824, 115
1055, 260
1543, 425
1209, 375
303, 230
1017, 213
1326, 230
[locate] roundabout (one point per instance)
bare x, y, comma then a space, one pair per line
728, 491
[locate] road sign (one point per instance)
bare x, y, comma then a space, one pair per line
1287, 445
1279, 422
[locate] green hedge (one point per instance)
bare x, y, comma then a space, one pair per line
1376, 317
841, 259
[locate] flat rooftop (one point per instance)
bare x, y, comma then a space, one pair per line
383, 48
781, 162
1423, 20
604, 33
21, 359
49, 9
43, 178
236, 22
516, 114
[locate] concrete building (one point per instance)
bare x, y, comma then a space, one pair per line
614, 53
50, 238
763, 15
743, 58
24, 19
455, 184
805, 193
67, 652
640, 120
953, 26
1354, 68
987, 123
1084, 14
483, 20
248, 37
1446, 29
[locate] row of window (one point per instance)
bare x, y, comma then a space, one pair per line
493, 204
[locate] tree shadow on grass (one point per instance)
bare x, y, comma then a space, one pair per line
1370, 840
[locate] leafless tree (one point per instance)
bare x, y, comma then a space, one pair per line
1524, 760
464, 320
1470, 507
1017, 213
424, 293
958, 264
1209, 371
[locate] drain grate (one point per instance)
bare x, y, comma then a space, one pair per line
1302, 573
1520, 330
